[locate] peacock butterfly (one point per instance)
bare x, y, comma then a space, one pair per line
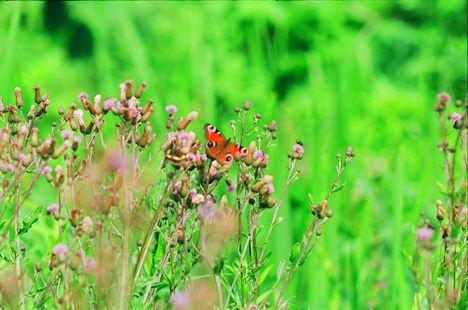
222, 149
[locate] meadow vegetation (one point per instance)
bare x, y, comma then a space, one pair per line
93, 175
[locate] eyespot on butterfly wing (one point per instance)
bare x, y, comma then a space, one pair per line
220, 148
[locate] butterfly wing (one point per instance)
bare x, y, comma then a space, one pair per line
220, 148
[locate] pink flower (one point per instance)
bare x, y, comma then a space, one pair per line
97, 99
184, 135
83, 96
11, 167
53, 208
298, 149
257, 154
444, 97
455, 117
424, 233
181, 300
231, 187
192, 156
60, 249
76, 139
171, 109
66, 134
116, 161
271, 188
108, 104
203, 157
46, 170
89, 263
252, 307
22, 158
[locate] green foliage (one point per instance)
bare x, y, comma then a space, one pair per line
332, 74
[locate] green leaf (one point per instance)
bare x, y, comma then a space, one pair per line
264, 274
219, 266
339, 187
295, 252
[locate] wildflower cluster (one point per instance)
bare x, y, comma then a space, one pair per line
141, 220
446, 237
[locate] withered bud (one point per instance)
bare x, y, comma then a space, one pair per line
247, 105
148, 105
38, 266
18, 97
350, 152
147, 115
35, 137
61, 149
2, 107
128, 89
272, 127
59, 176
184, 122
37, 94
140, 90
440, 210
329, 213
445, 232
75, 217
32, 112
123, 96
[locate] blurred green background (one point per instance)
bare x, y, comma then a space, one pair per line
332, 74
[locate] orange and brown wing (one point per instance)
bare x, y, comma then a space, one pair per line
217, 147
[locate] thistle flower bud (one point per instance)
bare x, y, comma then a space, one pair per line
140, 90
37, 94
38, 266
147, 115
272, 127
61, 149
75, 217
32, 112
440, 210
128, 89
184, 122
2, 107
59, 176
247, 105
18, 98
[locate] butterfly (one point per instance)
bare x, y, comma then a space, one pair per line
222, 149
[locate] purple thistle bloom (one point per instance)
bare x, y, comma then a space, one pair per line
203, 157
76, 139
66, 134
60, 249
46, 170
257, 154
83, 96
455, 117
424, 233
53, 208
171, 109
11, 167
181, 300
90, 263
444, 97
231, 187
184, 135
22, 158
298, 149
271, 188
108, 104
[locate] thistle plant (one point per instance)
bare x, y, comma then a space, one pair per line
440, 261
144, 221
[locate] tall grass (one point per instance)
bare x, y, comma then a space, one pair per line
333, 75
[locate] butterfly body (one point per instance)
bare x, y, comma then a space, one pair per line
220, 148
